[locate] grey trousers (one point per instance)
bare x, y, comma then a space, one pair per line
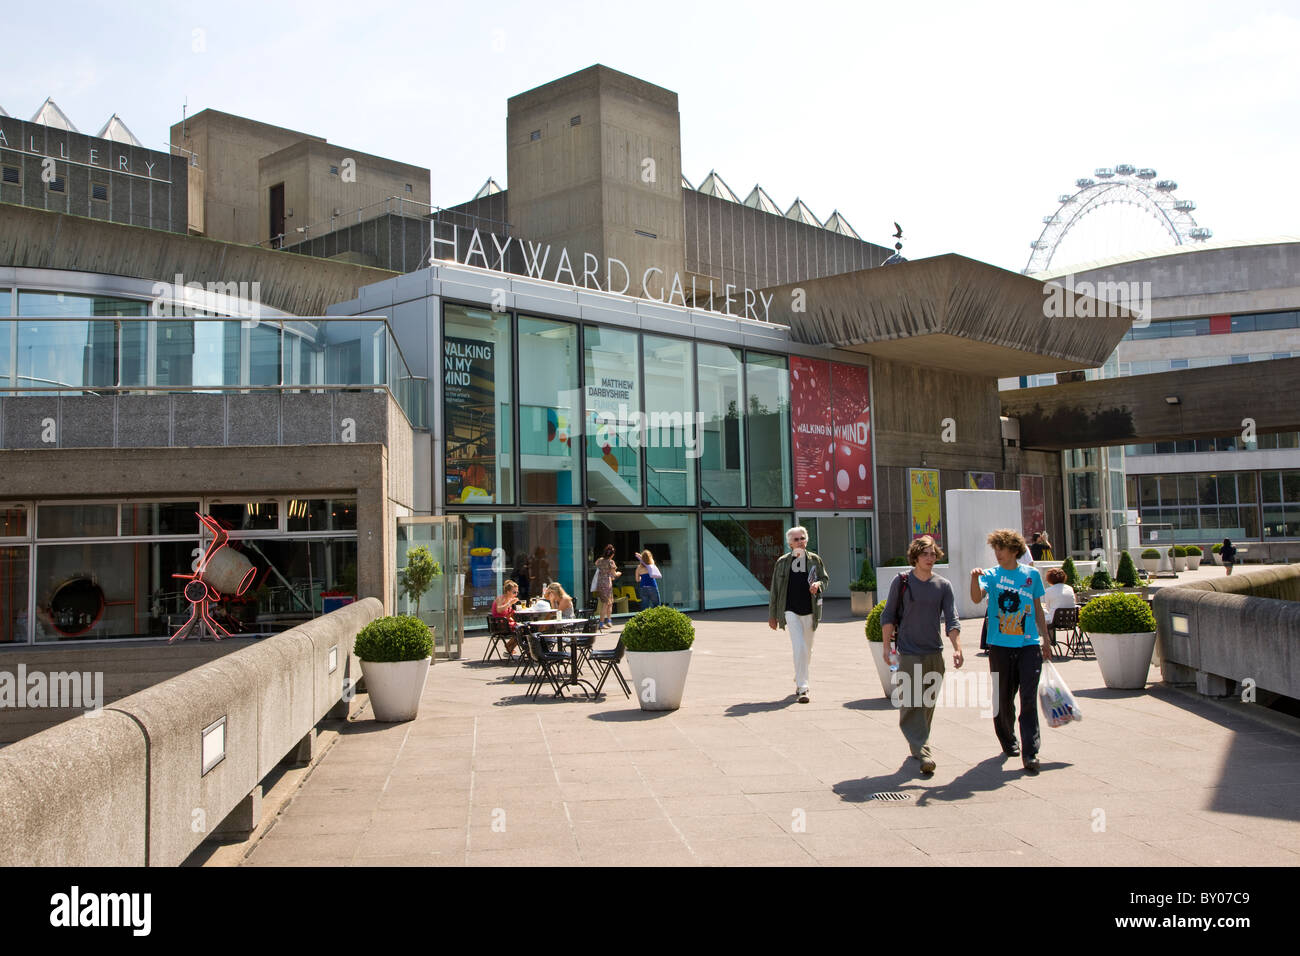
919, 679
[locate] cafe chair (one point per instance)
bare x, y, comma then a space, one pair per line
498, 633
549, 666
607, 662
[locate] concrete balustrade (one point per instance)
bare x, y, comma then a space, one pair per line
1233, 629
128, 789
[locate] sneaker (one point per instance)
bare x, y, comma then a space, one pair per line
927, 765
803, 696
1031, 766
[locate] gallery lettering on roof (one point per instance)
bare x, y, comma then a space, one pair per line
90, 156
653, 283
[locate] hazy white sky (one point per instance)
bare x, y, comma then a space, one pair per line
962, 121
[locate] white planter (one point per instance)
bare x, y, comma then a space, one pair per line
1194, 561
658, 677
882, 669
1152, 565
395, 688
861, 602
1180, 564
1124, 659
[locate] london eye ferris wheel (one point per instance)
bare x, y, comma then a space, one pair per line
1120, 186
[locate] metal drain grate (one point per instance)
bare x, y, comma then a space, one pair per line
890, 795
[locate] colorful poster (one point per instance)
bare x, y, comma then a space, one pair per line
1033, 513
981, 480
810, 416
851, 410
469, 416
923, 488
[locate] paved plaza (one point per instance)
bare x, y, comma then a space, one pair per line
743, 774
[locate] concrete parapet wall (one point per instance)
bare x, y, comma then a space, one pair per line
1237, 629
128, 788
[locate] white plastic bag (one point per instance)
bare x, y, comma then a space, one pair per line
1059, 705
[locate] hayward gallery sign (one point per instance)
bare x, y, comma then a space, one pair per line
653, 286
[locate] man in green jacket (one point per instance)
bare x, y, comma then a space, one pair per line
795, 602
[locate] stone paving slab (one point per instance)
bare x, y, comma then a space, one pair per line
744, 775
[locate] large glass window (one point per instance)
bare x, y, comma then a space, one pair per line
322, 514
66, 355
77, 521
722, 462
161, 518
51, 304
477, 406
293, 578
671, 445
740, 551
548, 412
613, 420
670, 538
13, 594
768, 406
530, 549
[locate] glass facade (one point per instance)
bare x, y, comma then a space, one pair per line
105, 570
549, 412
740, 551
478, 411
530, 548
767, 384
1200, 507
722, 425
612, 424
670, 538
671, 436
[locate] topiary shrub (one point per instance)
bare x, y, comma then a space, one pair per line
1179, 551
866, 578
1117, 614
875, 631
1193, 551
1101, 580
398, 638
899, 562
1217, 548
1151, 554
1071, 574
1127, 574
660, 628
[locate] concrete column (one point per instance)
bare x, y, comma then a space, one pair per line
1212, 685
242, 820
302, 752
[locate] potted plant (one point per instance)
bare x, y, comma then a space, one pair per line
1123, 633
1193, 556
395, 657
417, 577
1214, 554
1071, 574
1101, 579
862, 592
876, 641
1126, 575
658, 642
1178, 558
1151, 560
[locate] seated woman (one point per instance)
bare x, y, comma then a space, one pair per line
1058, 593
559, 600
504, 608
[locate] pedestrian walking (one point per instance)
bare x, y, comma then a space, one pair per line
795, 602
1018, 640
919, 603
647, 577
1228, 555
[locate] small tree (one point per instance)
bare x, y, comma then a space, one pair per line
1071, 573
418, 575
866, 578
1127, 574
1101, 579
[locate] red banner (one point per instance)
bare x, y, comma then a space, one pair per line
831, 416
851, 410
810, 416
1033, 511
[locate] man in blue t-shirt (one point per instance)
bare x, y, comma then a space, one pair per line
1018, 641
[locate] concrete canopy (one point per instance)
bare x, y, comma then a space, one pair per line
954, 313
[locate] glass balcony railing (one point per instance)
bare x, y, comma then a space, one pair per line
62, 355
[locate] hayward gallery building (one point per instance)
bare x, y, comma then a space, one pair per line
633, 361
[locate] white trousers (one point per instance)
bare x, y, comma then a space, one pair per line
800, 627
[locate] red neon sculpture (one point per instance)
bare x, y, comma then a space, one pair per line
218, 572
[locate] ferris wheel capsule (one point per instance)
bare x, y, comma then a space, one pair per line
1104, 172
1167, 185
1124, 169
1085, 182
1146, 173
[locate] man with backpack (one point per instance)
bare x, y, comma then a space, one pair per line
918, 602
